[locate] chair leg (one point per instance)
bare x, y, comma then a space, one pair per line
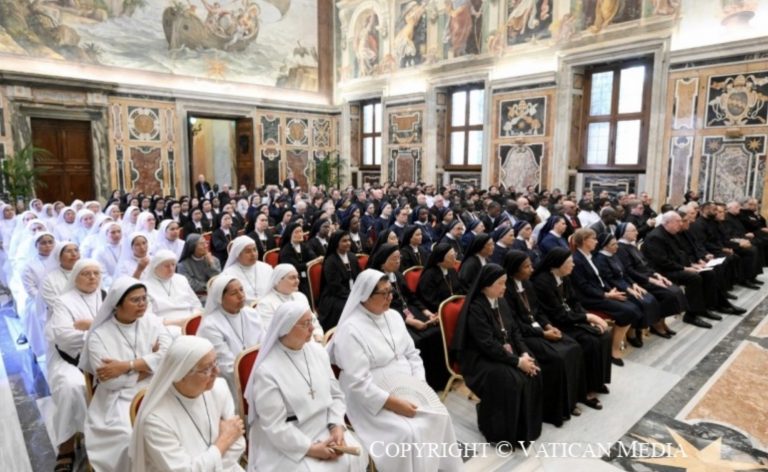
448, 386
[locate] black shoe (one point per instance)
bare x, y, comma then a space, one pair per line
757, 281
731, 296
21, 339
603, 389
749, 285
731, 310
593, 403
670, 332
696, 321
635, 341
617, 361
659, 333
711, 316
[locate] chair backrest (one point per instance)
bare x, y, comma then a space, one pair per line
272, 257
457, 265
449, 317
192, 324
326, 339
571, 243
412, 276
243, 367
315, 273
278, 239
90, 387
229, 245
241, 231
136, 404
362, 261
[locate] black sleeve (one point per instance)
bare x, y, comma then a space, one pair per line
481, 331
517, 311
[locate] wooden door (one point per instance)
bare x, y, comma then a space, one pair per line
245, 168
67, 173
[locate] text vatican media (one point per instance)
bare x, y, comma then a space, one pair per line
567, 450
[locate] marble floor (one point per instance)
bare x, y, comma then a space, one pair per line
694, 403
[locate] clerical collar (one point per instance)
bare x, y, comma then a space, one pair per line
450, 236
493, 301
554, 233
444, 271
296, 246
606, 253
322, 240
344, 257
354, 236
499, 243
482, 259
392, 277
415, 248
624, 241
558, 279
399, 225
261, 235
519, 285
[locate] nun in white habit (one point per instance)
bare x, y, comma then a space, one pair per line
173, 300
7, 225
130, 217
92, 240
65, 255
371, 347
123, 348
134, 257
187, 419
297, 408
38, 267
108, 251
168, 238
84, 223
145, 224
65, 228
285, 288
230, 325
243, 262
73, 313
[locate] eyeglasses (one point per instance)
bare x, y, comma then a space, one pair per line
386, 293
138, 299
208, 370
305, 324
89, 273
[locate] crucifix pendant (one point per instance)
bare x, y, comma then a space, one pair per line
312, 393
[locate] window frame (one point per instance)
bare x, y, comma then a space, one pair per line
614, 117
466, 128
373, 135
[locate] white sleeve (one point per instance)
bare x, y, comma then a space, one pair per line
164, 449
212, 333
354, 362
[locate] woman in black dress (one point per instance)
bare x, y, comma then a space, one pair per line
412, 253
525, 242
496, 363
558, 355
557, 302
439, 280
671, 298
340, 269
422, 324
293, 250
478, 254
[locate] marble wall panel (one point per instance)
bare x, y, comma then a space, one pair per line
686, 94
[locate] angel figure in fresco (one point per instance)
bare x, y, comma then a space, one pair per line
404, 45
367, 45
605, 11
464, 30
665, 7
525, 16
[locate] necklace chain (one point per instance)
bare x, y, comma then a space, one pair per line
207, 415
309, 372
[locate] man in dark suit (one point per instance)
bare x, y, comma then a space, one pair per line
290, 183
663, 252
637, 217
607, 223
202, 187
570, 212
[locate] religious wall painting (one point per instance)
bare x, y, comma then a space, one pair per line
520, 164
463, 27
259, 42
146, 169
523, 117
405, 165
143, 123
737, 100
527, 20
405, 127
321, 132
732, 168
736, 14
366, 44
297, 131
410, 40
598, 14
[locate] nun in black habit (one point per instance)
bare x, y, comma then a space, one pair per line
412, 252
478, 254
503, 237
496, 364
318, 236
558, 303
525, 242
558, 355
295, 251
452, 236
340, 269
422, 324
439, 280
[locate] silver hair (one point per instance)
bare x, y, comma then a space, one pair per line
667, 217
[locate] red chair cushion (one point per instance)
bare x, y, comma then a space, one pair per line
244, 372
412, 279
190, 329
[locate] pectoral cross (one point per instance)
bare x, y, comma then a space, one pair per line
312, 393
